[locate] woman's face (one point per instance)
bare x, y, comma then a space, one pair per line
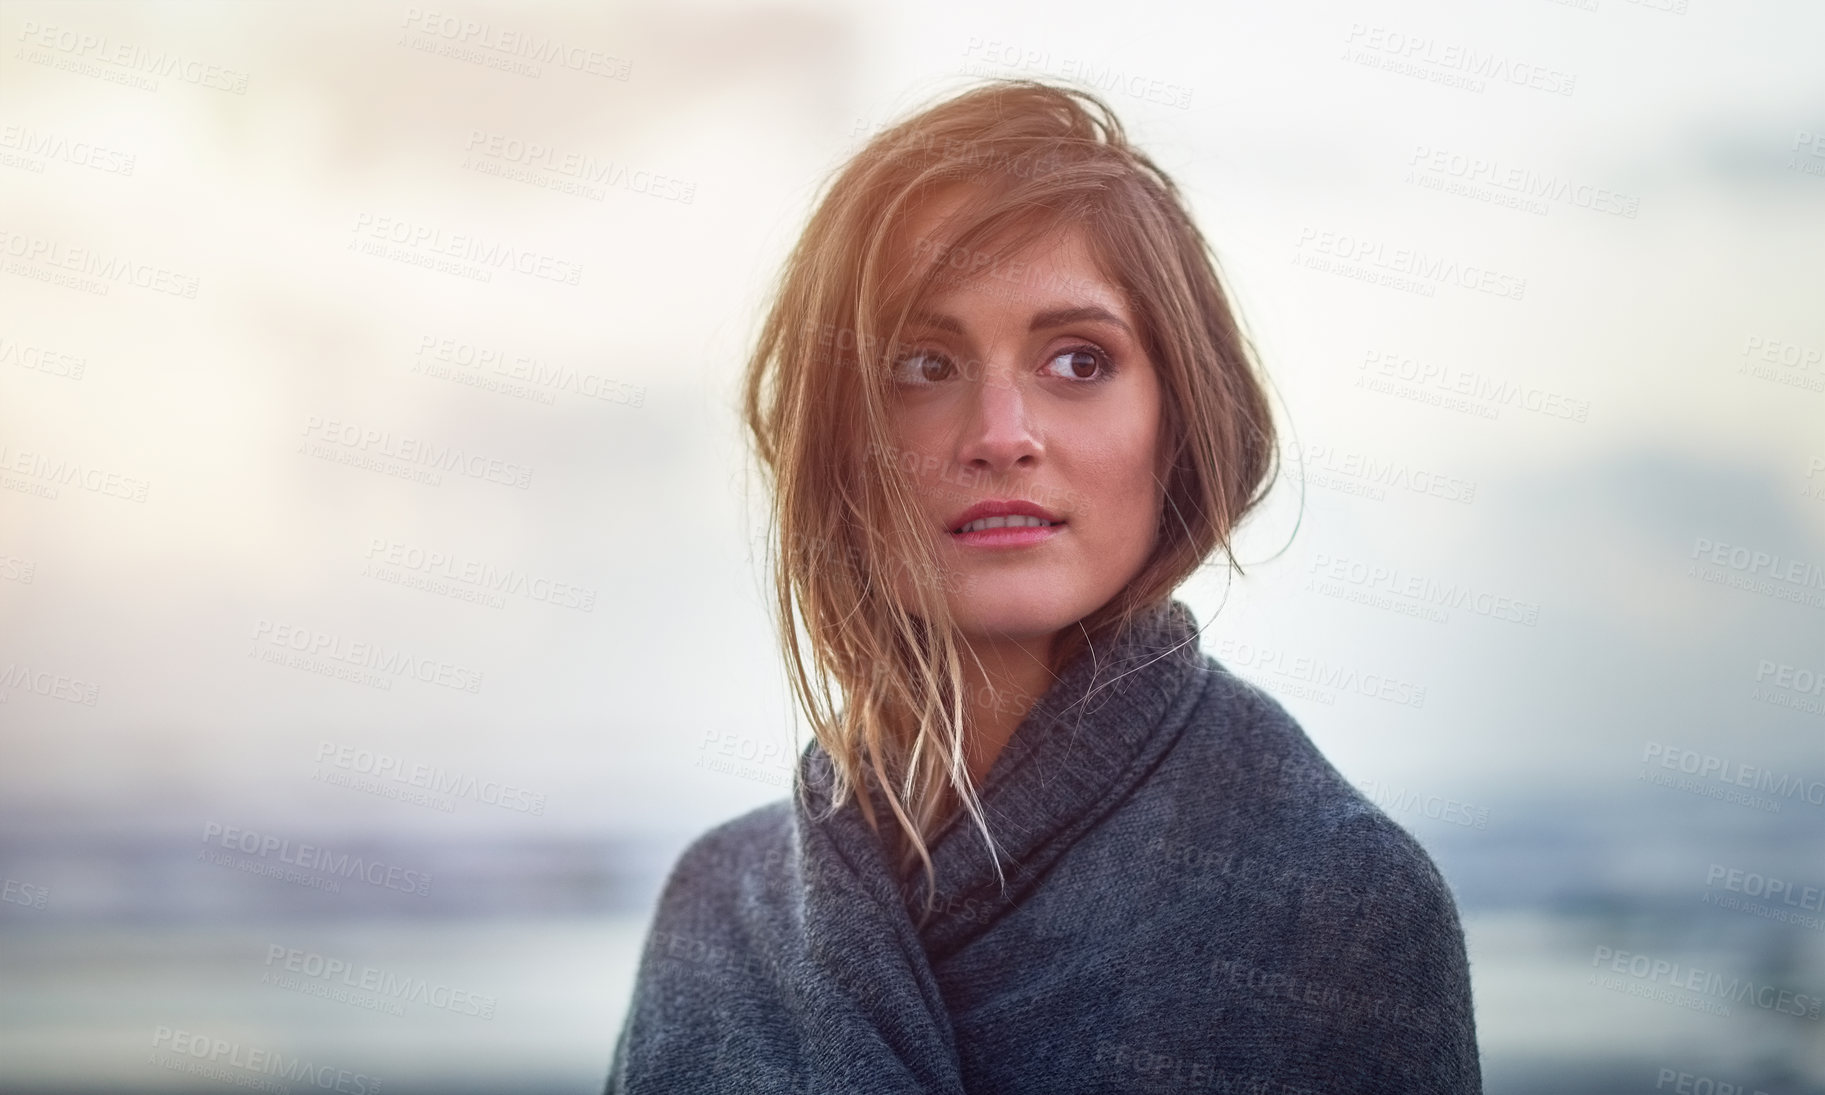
1028, 384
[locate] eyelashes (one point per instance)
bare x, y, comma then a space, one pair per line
911, 368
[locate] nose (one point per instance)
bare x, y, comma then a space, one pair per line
998, 432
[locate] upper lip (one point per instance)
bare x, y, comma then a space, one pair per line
1002, 507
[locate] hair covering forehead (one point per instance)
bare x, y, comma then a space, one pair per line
960, 232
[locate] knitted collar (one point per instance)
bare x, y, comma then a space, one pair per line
1085, 745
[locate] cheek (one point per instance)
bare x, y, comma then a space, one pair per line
917, 437
1119, 499
1126, 466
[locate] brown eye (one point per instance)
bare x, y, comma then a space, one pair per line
921, 367
1083, 363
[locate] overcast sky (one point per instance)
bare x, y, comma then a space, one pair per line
1647, 196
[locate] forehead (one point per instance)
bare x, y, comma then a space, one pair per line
1057, 267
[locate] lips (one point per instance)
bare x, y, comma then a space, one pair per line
1001, 507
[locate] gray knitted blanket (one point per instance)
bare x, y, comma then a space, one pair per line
1196, 901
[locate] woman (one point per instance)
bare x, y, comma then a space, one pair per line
1046, 844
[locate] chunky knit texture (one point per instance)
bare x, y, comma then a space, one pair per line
1195, 901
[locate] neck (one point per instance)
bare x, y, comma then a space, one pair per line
998, 693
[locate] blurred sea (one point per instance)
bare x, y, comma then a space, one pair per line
148, 940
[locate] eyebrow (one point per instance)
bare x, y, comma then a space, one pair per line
1042, 321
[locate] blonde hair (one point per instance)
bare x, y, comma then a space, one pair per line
816, 396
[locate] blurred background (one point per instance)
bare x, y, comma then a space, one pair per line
381, 599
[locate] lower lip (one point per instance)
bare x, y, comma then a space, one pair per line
1006, 537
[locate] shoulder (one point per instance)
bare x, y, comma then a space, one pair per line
1312, 827
1364, 930
758, 836
699, 962
715, 859
761, 829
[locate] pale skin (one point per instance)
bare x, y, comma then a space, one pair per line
1041, 387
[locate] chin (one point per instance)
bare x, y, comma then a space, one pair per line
1027, 606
